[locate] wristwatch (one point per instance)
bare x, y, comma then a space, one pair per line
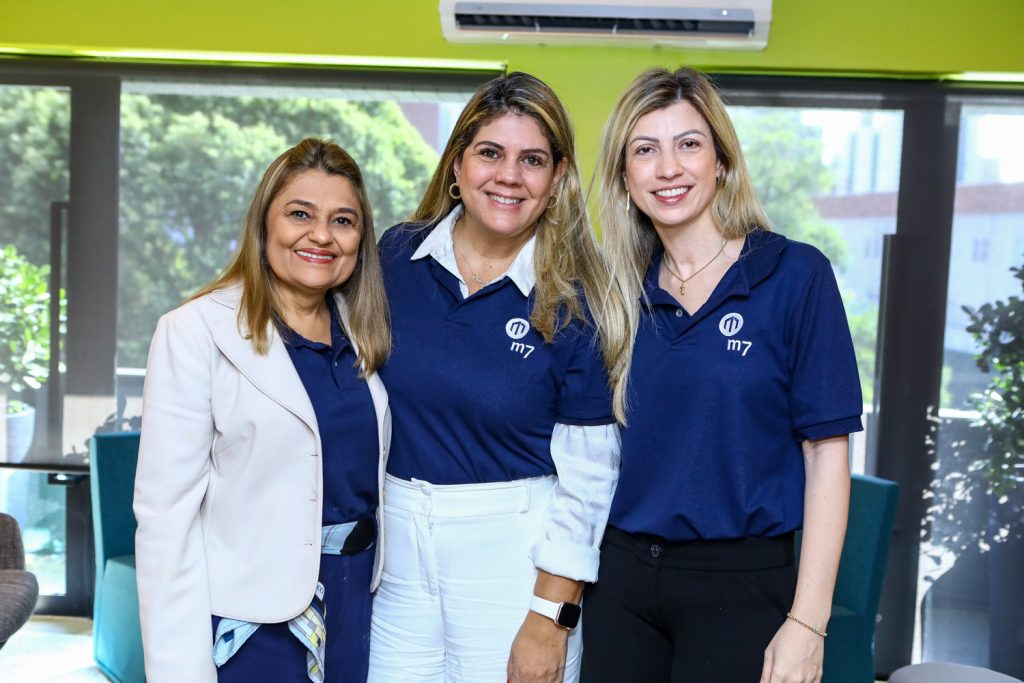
564, 614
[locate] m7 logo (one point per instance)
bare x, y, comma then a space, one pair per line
738, 345
521, 348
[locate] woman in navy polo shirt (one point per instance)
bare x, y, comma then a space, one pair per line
264, 436
506, 449
743, 389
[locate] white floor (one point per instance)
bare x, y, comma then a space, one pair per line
50, 650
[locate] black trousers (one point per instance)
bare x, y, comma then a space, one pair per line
693, 612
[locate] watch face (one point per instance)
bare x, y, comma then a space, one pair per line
568, 615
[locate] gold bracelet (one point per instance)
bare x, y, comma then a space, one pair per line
806, 625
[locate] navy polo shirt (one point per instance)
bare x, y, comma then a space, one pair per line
720, 401
346, 419
474, 391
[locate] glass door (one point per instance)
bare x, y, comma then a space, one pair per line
34, 185
972, 559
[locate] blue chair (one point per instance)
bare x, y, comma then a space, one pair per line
117, 636
850, 646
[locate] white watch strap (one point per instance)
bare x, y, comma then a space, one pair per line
544, 607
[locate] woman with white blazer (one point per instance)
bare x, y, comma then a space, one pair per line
264, 440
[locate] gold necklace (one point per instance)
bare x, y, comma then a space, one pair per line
684, 280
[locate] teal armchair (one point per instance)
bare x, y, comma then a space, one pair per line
117, 637
850, 646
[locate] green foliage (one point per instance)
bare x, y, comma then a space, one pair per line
998, 329
784, 159
864, 330
783, 156
33, 134
189, 166
998, 472
24, 322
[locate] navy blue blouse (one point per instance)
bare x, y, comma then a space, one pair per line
346, 418
721, 400
475, 389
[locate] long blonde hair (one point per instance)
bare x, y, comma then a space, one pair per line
566, 254
629, 238
365, 298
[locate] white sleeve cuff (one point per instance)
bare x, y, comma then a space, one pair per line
586, 461
578, 562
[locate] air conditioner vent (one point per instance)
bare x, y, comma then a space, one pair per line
568, 24
708, 24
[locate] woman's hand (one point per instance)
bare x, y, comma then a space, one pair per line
538, 652
795, 655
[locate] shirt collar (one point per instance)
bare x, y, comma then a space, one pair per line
338, 339
759, 256
438, 244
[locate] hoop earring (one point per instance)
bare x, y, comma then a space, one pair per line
627, 202
451, 191
553, 201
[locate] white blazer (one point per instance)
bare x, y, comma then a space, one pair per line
229, 487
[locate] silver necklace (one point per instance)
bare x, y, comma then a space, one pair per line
472, 274
684, 280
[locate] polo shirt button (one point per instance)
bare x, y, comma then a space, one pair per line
679, 313
655, 550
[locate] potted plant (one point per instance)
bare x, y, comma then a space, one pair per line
978, 497
24, 346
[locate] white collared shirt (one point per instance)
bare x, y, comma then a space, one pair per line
440, 245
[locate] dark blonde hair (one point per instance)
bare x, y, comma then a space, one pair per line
630, 238
368, 317
566, 254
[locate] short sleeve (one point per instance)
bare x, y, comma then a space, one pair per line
825, 391
584, 397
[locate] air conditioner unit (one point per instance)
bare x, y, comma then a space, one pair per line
695, 24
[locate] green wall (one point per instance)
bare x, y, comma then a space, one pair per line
902, 38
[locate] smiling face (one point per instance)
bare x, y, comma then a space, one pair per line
506, 176
671, 167
314, 226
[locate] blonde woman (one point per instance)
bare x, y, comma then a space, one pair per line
505, 450
743, 390
264, 440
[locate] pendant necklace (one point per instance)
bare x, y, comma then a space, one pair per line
473, 275
684, 280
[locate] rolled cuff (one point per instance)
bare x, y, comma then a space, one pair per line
576, 562
824, 430
587, 464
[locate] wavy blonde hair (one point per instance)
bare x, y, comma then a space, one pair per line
365, 298
566, 254
630, 238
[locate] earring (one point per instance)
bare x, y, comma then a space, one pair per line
553, 201
627, 202
452, 191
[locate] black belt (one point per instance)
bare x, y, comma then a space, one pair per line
740, 554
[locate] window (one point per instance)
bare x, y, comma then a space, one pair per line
830, 177
154, 176
979, 249
971, 557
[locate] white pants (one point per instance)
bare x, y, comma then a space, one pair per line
457, 581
